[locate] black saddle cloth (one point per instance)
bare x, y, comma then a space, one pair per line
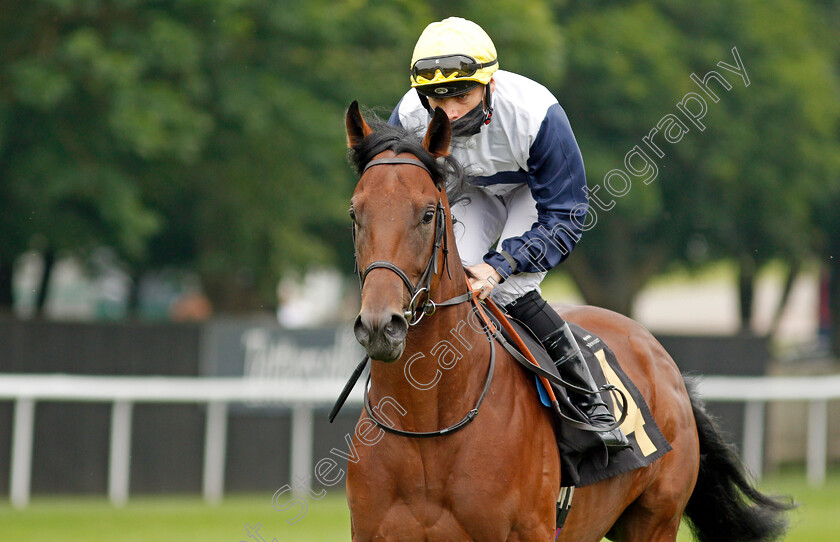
584, 458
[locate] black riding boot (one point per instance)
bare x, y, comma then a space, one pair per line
554, 333
564, 350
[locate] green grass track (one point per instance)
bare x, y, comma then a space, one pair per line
188, 519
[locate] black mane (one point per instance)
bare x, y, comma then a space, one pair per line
445, 172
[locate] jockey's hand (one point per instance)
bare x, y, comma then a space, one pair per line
486, 278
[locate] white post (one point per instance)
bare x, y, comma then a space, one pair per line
753, 445
302, 435
22, 436
215, 444
120, 453
817, 442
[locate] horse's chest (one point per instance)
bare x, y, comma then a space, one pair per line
429, 497
472, 485
433, 518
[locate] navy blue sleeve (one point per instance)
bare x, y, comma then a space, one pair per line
557, 180
394, 119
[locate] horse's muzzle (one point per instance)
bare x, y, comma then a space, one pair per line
382, 335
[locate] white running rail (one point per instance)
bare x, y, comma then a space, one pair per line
303, 396
123, 392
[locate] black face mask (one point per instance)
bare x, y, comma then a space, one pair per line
470, 124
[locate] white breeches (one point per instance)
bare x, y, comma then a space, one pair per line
483, 222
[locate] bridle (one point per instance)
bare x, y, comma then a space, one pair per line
421, 303
415, 312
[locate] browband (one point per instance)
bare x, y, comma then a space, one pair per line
409, 161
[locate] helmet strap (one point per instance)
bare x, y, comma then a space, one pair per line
488, 111
425, 102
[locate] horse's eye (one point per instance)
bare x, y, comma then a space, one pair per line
352, 214
428, 216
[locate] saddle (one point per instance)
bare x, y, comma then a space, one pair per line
581, 463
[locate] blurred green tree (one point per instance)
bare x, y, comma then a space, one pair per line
741, 186
64, 179
205, 135
827, 204
208, 135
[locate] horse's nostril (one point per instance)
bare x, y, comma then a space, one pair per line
361, 331
397, 327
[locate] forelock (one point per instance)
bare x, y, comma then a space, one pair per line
387, 137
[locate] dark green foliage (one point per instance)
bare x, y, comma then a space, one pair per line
209, 135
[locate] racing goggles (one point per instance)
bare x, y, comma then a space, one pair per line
460, 65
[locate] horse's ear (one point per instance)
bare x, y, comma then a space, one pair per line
357, 128
438, 135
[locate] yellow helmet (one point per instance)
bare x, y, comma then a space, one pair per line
452, 57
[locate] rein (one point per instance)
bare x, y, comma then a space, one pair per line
489, 330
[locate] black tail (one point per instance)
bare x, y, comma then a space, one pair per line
725, 505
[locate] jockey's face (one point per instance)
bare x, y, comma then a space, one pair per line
459, 106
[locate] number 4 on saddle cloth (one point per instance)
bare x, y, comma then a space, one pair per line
581, 465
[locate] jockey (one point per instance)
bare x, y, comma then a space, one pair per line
526, 205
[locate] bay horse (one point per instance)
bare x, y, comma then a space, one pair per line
489, 470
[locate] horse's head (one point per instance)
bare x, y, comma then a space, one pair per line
398, 212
